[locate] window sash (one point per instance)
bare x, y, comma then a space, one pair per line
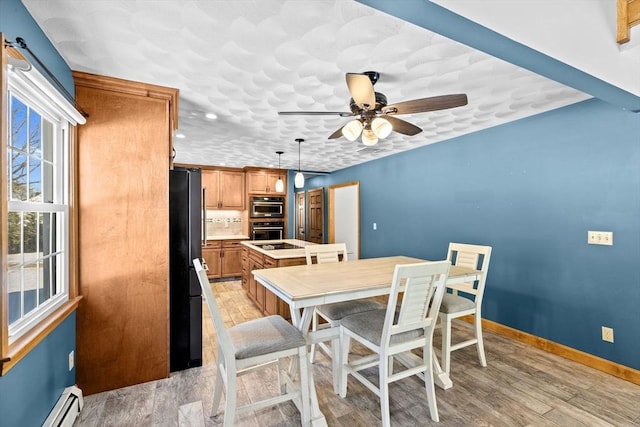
31, 311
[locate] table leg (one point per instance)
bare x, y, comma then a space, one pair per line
302, 323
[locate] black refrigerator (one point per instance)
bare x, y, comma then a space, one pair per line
185, 244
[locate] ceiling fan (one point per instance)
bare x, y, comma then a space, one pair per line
374, 118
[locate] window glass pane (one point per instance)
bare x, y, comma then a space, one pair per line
31, 273
15, 237
45, 281
30, 230
44, 245
35, 147
47, 182
47, 141
35, 179
57, 285
18, 131
18, 176
13, 286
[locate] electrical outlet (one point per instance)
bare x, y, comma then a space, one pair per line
607, 334
375, 226
72, 360
600, 238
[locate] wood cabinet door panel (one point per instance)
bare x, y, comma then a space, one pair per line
211, 185
232, 190
231, 262
212, 258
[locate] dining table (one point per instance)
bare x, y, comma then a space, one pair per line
304, 287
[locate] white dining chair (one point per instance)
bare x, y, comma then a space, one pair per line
332, 313
252, 345
393, 333
464, 299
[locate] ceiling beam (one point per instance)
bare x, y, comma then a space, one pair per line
628, 16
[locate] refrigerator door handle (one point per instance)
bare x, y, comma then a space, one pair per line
204, 216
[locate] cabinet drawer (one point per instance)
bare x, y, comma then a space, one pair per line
231, 244
256, 256
212, 244
270, 262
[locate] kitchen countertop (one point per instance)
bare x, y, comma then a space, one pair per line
279, 253
228, 237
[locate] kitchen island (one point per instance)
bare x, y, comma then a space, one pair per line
259, 254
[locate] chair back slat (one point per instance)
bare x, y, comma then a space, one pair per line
422, 286
326, 253
222, 334
470, 256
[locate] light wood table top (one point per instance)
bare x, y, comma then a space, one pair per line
310, 285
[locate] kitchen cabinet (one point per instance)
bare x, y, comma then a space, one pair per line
211, 255
231, 258
266, 301
223, 258
264, 181
123, 156
224, 189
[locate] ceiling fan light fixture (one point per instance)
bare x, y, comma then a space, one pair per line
352, 130
381, 127
369, 138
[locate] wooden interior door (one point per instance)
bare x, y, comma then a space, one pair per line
316, 215
300, 216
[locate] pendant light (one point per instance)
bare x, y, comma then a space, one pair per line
299, 179
279, 182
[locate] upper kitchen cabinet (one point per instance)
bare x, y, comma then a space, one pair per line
224, 189
263, 181
122, 166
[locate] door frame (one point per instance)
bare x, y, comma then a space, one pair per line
297, 216
332, 214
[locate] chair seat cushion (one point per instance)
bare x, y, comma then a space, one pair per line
369, 326
338, 310
454, 303
265, 335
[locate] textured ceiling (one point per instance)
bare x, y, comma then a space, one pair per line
247, 60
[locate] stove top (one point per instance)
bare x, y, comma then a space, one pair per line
275, 246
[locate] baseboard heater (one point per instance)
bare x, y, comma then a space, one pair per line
67, 408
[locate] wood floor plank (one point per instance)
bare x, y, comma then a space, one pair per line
521, 386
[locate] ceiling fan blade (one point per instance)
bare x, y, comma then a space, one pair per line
361, 90
402, 126
316, 113
427, 104
336, 134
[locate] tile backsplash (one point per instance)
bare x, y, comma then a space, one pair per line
224, 223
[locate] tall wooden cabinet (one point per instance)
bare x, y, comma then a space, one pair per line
123, 204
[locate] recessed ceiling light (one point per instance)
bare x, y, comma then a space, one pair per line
180, 135
211, 116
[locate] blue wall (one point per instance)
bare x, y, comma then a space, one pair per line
15, 21
531, 189
32, 387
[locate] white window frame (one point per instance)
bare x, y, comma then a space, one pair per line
35, 91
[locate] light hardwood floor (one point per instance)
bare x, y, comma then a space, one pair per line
521, 386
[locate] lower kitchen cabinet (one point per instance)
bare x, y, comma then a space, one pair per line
223, 257
211, 255
266, 301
